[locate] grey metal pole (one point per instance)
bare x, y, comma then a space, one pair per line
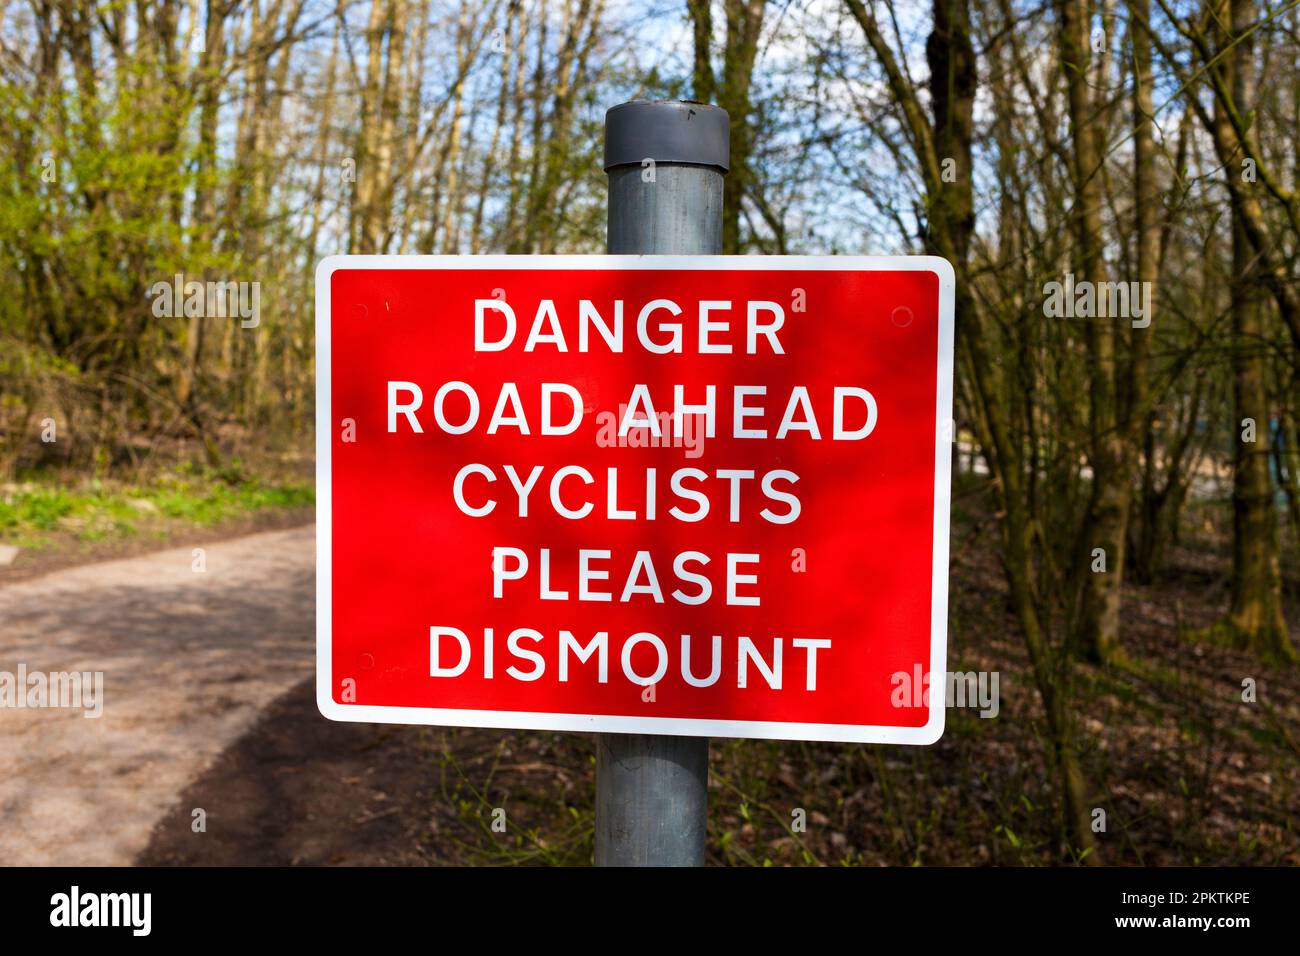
665, 162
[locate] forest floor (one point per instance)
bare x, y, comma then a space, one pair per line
1186, 771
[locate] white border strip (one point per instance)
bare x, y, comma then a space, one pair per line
608, 723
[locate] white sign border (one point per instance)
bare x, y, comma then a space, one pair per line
930, 732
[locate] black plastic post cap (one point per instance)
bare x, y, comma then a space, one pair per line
667, 131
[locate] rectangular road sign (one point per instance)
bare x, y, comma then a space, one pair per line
701, 495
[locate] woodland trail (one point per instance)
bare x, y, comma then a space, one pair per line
189, 659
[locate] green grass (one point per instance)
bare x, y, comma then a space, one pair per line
32, 515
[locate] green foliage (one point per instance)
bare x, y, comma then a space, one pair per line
33, 513
39, 508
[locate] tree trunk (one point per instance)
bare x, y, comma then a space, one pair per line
1099, 564
1255, 620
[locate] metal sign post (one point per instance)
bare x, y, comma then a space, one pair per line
665, 162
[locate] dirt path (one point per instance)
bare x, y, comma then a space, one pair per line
189, 659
